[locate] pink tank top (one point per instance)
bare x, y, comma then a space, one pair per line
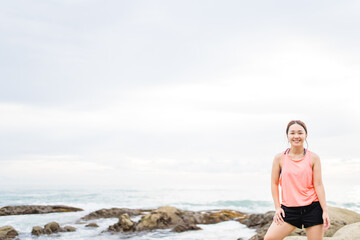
296, 181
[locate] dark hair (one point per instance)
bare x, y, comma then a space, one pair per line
292, 122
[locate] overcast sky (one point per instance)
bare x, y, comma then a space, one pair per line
165, 93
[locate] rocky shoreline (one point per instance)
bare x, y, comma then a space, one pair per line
345, 224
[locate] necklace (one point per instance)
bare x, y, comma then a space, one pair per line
302, 155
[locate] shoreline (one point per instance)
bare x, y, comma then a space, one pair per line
131, 219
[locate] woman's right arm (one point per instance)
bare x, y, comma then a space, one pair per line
275, 175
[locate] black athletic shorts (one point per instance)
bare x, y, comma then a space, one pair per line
308, 216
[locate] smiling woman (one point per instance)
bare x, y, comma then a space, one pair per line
298, 172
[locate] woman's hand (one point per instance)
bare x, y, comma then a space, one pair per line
278, 217
326, 220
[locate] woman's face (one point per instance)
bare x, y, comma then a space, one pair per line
296, 135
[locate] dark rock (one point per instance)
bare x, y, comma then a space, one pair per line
68, 229
94, 225
36, 209
52, 227
123, 225
260, 222
183, 228
166, 217
8, 232
221, 215
37, 231
113, 213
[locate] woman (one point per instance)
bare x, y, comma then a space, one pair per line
298, 171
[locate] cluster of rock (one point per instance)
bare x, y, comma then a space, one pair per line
51, 228
345, 224
168, 217
8, 232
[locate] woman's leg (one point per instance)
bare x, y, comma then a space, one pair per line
278, 231
315, 232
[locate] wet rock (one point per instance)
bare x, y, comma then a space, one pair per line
36, 209
113, 213
179, 220
183, 228
8, 232
123, 225
52, 227
260, 222
166, 217
93, 225
221, 215
68, 229
37, 231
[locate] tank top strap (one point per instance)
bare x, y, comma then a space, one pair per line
308, 157
283, 159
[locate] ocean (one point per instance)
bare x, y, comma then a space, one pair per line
95, 198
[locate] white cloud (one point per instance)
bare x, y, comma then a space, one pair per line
146, 89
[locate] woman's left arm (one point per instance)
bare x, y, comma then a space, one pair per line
320, 190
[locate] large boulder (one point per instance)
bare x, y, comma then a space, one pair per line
7, 232
113, 213
36, 209
349, 232
340, 217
